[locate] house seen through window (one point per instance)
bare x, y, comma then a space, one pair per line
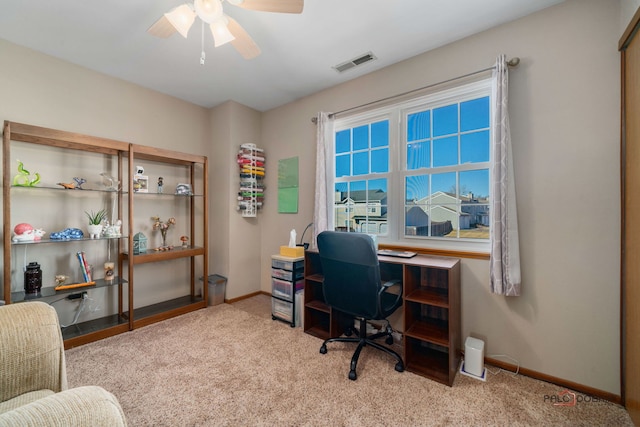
417, 170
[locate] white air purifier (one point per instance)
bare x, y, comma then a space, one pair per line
473, 364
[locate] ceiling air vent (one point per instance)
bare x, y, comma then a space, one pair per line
347, 65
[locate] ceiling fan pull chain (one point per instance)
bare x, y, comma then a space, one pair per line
202, 44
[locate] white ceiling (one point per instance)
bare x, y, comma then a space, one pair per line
298, 51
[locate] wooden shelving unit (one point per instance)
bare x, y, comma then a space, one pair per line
431, 305
122, 157
62, 143
196, 168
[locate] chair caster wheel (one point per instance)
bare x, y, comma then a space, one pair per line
293, 325
273, 317
348, 332
323, 349
389, 340
400, 367
352, 375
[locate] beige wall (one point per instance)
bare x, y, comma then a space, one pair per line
236, 240
565, 128
627, 9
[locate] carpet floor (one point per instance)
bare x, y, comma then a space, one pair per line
231, 365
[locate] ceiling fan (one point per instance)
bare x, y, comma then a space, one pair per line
224, 28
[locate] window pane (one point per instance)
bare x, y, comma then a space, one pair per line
474, 147
478, 221
380, 160
379, 186
343, 141
443, 183
360, 186
474, 190
377, 206
445, 120
418, 126
341, 189
343, 165
341, 208
342, 222
361, 138
380, 134
416, 189
445, 151
418, 155
416, 221
474, 114
476, 183
361, 163
444, 220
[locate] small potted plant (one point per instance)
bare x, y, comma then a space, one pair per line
95, 222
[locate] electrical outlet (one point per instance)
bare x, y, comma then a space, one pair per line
76, 295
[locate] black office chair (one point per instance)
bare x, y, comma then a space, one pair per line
352, 285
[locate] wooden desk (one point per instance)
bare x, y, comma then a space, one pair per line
431, 304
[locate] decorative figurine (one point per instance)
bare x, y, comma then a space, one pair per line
160, 184
79, 182
60, 279
24, 232
139, 244
113, 230
67, 234
110, 183
183, 189
184, 240
67, 185
22, 179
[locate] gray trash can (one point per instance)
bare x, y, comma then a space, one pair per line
217, 286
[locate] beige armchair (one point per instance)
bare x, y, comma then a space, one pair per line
33, 377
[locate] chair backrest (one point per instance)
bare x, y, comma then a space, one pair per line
351, 272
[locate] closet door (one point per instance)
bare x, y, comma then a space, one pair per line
630, 162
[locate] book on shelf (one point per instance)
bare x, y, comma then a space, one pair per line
84, 266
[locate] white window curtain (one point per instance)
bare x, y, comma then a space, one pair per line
322, 211
505, 250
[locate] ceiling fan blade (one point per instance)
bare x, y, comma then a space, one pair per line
243, 41
162, 28
280, 6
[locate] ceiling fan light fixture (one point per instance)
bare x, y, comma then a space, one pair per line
181, 18
208, 10
221, 33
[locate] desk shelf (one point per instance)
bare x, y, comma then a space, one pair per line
431, 294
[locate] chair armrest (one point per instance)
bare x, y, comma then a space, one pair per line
385, 287
31, 350
391, 283
89, 406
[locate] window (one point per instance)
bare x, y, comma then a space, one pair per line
418, 170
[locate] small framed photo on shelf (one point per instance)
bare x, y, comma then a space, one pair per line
140, 184
184, 190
